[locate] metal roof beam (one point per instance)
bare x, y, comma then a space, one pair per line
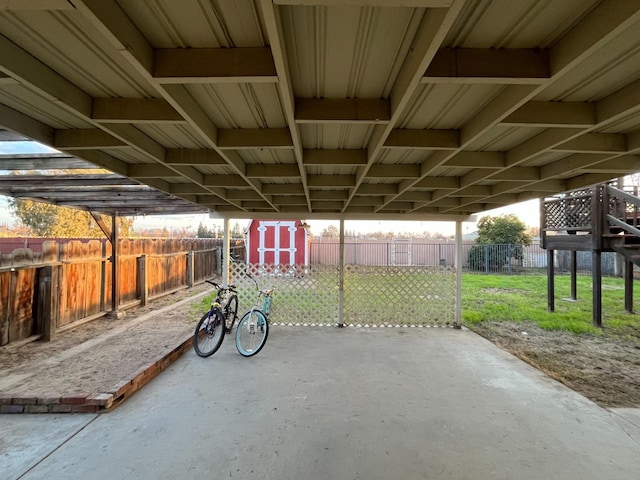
427, 139
134, 110
342, 110
553, 114
489, 65
213, 65
241, 138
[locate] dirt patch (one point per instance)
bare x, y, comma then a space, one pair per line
97, 355
604, 368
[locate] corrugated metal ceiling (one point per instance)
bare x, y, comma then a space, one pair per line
435, 109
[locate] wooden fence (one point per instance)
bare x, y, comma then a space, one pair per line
44, 293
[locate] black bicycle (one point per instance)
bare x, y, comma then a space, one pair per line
217, 321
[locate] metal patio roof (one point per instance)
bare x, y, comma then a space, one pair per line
415, 109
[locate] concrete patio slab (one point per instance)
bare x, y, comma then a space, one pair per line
321, 403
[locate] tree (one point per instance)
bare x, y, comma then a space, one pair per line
504, 229
330, 232
506, 234
46, 220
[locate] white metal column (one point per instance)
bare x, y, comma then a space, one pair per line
226, 251
458, 314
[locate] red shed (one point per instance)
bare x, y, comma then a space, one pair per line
277, 242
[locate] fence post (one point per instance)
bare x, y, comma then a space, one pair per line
509, 253
190, 270
218, 260
628, 286
486, 259
551, 306
47, 307
143, 286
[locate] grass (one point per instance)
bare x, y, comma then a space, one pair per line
487, 298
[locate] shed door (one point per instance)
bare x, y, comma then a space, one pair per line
277, 242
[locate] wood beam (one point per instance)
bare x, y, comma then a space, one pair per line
331, 181
342, 110
150, 170
489, 65
450, 183
595, 143
394, 171
342, 157
134, 110
620, 104
187, 189
553, 114
85, 139
224, 181
426, 139
182, 156
243, 138
366, 200
541, 142
19, 64
474, 191
283, 189
289, 200
243, 195
329, 195
493, 160
272, 171
377, 189
210, 65
574, 162
515, 174
334, 206
415, 196
624, 165
19, 122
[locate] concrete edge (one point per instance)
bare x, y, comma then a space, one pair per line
101, 402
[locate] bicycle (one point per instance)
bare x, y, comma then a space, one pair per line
253, 328
219, 320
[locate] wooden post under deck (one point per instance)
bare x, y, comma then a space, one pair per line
550, 282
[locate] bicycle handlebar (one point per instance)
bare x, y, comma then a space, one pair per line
220, 288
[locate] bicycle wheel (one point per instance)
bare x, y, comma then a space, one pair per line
231, 312
252, 333
209, 333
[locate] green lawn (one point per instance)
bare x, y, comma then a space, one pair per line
524, 298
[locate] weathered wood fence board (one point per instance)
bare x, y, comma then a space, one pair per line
81, 275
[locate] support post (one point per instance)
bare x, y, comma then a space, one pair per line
628, 286
47, 309
458, 308
551, 294
574, 275
143, 285
341, 277
190, 270
226, 251
596, 273
103, 278
115, 269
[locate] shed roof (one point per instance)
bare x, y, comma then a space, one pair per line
416, 109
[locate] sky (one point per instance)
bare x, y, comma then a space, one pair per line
528, 212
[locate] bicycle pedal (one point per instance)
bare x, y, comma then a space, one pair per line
227, 330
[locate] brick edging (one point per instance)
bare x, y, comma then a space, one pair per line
84, 402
